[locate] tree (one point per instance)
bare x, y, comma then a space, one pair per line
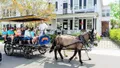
115, 10
40, 8
115, 14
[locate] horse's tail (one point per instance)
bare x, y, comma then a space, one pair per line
53, 45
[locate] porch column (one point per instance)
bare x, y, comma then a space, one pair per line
73, 22
82, 24
68, 26
56, 24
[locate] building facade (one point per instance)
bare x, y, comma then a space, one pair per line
75, 15
105, 18
72, 15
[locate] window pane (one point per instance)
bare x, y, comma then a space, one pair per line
108, 14
80, 4
103, 14
89, 24
89, 3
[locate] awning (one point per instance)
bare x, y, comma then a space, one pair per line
28, 18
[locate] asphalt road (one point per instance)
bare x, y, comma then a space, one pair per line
47, 61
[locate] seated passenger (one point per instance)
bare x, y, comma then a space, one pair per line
34, 38
18, 35
4, 34
11, 34
27, 35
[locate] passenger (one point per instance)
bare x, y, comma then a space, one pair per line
34, 37
27, 35
11, 34
18, 35
23, 31
4, 34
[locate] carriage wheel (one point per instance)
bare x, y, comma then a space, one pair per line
0, 57
27, 52
8, 49
42, 50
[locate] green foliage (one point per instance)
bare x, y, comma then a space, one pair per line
115, 10
113, 23
115, 34
75, 34
52, 37
98, 37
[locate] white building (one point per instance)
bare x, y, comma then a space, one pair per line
74, 15
105, 18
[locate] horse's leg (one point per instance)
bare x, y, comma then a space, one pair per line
55, 52
65, 53
87, 55
59, 51
75, 52
79, 54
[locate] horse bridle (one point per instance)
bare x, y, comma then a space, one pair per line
91, 37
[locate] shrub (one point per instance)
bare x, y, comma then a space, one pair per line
115, 34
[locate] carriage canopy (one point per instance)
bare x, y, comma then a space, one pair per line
28, 18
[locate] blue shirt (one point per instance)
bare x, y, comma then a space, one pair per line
32, 34
10, 32
4, 32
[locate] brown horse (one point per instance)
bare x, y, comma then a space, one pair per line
71, 42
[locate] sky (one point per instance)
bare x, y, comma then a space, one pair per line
106, 2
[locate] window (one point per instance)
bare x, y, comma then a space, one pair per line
89, 24
80, 4
71, 4
14, 12
89, 3
3, 13
7, 13
76, 6
95, 2
56, 5
105, 13
85, 3
65, 6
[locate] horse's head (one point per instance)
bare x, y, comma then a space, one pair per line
92, 36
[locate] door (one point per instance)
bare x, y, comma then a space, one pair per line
65, 24
71, 24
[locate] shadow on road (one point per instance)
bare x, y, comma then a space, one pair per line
18, 61
66, 64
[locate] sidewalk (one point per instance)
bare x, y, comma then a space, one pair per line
106, 43
109, 52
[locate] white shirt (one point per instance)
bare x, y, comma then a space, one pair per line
42, 26
27, 33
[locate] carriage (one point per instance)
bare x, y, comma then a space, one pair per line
25, 49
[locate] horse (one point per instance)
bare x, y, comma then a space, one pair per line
71, 42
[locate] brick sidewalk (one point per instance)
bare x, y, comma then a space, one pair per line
106, 43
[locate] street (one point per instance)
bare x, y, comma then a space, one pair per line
47, 61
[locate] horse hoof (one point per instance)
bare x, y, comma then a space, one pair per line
56, 59
89, 58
